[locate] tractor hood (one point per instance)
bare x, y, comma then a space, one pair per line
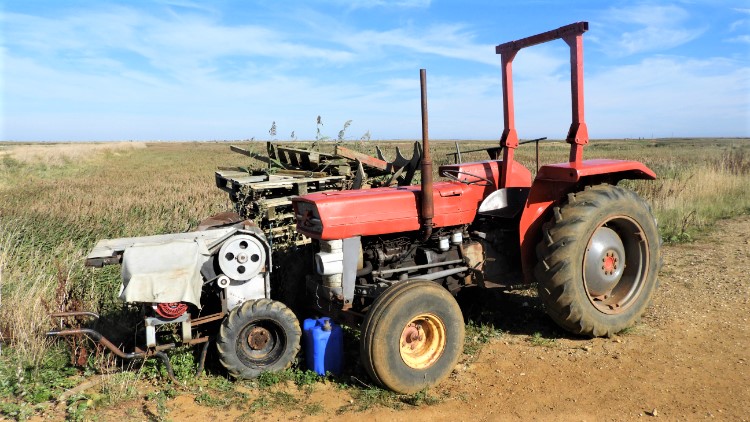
368, 212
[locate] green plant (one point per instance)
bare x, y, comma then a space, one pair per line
212, 400
313, 409
420, 398
161, 397
77, 405
537, 339
477, 335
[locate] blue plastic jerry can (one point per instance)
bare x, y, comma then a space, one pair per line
324, 345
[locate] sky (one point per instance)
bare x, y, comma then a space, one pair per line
83, 70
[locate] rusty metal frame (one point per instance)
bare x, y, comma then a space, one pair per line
157, 352
578, 133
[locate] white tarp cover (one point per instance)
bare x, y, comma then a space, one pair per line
165, 272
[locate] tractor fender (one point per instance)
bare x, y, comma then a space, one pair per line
553, 183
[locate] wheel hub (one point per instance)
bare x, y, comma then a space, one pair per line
258, 338
412, 336
422, 341
603, 266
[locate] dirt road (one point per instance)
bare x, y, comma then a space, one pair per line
688, 359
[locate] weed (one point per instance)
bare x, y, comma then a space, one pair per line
478, 335
313, 409
183, 365
18, 411
628, 330
268, 379
161, 397
119, 387
537, 339
302, 379
306, 378
420, 398
77, 405
221, 384
368, 398
261, 403
212, 400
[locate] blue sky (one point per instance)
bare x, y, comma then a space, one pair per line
225, 70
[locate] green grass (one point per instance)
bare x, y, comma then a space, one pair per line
477, 335
538, 340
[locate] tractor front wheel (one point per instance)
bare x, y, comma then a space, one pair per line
412, 337
260, 335
598, 261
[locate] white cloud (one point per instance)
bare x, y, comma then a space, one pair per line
741, 39
667, 96
645, 28
451, 41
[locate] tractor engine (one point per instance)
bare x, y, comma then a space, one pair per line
366, 266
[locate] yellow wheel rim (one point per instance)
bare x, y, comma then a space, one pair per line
422, 341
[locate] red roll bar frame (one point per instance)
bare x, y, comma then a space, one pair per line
578, 135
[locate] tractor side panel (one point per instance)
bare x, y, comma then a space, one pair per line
551, 185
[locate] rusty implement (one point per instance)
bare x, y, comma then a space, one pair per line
158, 352
264, 195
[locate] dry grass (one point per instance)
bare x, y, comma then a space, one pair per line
25, 292
52, 214
61, 154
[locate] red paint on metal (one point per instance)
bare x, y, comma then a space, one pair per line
552, 183
609, 264
578, 134
396, 209
171, 310
573, 172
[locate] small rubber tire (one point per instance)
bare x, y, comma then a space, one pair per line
603, 226
412, 337
258, 336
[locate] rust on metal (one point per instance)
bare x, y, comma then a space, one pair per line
363, 158
428, 208
258, 338
74, 314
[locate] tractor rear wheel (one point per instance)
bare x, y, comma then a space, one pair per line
412, 337
598, 261
258, 336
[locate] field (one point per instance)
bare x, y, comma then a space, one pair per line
56, 201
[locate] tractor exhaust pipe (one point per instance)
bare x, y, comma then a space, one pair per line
428, 208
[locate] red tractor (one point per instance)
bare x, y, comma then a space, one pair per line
391, 259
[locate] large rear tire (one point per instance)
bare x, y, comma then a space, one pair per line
258, 336
598, 261
412, 337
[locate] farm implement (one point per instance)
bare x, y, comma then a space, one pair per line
389, 260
